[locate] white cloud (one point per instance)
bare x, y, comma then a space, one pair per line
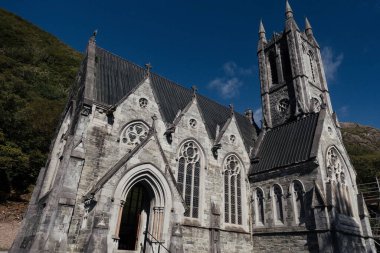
331, 62
258, 116
229, 83
343, 111
227, 87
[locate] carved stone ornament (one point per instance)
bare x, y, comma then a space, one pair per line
316, 105
335, 169
86, 110
283, 106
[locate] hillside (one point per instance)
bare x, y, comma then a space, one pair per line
363, 146
36, 73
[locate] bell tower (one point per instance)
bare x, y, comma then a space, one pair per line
292, 77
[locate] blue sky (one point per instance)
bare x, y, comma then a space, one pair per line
212, 44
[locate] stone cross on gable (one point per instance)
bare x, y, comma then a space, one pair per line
194, 89
148, 67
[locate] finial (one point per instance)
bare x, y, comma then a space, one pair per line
148, 67
261, 29
231, 109
195, 89
308, 28
288, 11
93, 37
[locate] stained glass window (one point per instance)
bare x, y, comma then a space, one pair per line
188, 181
232, 190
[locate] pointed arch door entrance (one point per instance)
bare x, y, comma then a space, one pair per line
142, 203
135, 218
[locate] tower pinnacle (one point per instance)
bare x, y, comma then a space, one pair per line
288, 11
262, 32
308, 28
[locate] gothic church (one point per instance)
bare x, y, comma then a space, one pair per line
141, 164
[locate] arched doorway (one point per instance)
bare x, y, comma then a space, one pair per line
135, 218
142, 202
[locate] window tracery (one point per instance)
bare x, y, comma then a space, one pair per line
189, 164
336, 174
283, 105
316, 104
143, 102
232, 139
311, 62
134, 133
232, 190
193, 123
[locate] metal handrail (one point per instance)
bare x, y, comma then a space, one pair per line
160, 244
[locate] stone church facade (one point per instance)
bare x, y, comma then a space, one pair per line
141, 164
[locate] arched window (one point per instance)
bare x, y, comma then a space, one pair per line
134, 133
336, 174
312, 67
299, 208
277, 203
273, 67
232, 190
189, 166
259, 207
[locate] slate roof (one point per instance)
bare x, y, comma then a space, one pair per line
286, 145
117, 77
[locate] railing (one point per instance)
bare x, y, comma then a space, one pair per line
160, 244
375, 225
371, 192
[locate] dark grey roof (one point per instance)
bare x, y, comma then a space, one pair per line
286, 145
117, 77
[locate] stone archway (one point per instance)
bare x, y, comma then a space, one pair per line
141, 213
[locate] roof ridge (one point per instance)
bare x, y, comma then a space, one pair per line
294, 121
165, 78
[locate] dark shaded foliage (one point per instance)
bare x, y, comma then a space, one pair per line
363, 146
36, 73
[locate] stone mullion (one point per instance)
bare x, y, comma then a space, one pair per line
192, 190
118, 224
236, 202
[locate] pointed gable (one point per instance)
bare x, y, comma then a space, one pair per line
117, 77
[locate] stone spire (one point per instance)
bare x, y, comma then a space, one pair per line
262, 32
89, 90
308, 28
288, 11
309, 33
290, 22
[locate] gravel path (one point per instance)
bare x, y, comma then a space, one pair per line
8, 231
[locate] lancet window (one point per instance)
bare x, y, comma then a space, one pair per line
298, 201
232, 190
312, 67
189, 168
273, 67
259, 206
277, 203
